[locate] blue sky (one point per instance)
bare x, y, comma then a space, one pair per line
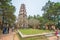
33, 7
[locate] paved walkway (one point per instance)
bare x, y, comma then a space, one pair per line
53, 38
10, 36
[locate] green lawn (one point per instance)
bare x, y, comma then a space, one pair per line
33, 31
33, 38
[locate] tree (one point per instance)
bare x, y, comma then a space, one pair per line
51, 11
48, 9
30, 17
7, 11
38, 18
34, 23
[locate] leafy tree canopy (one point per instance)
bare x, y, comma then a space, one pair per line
7, 10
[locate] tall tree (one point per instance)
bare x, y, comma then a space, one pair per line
7, 10
48, 9
51, 11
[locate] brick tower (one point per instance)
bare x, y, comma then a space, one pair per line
22, 17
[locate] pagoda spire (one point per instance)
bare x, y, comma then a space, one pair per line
22, 17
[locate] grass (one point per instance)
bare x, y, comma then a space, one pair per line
33, 31
33, 38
